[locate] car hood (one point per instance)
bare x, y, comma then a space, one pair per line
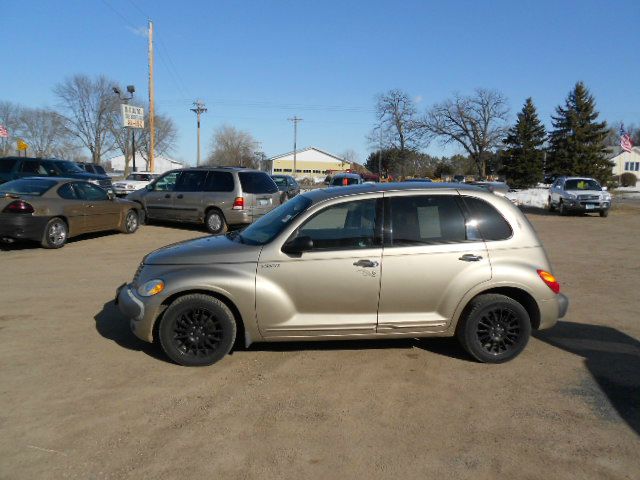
218, 249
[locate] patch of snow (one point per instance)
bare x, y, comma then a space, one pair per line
530, 197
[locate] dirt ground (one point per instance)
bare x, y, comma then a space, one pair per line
82, 398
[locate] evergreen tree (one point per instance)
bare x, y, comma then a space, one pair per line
523, 159
577, 143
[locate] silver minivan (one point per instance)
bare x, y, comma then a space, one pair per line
214, 196
367, 261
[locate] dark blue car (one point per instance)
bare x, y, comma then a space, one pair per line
12, 168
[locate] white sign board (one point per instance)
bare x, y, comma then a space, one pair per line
132, 116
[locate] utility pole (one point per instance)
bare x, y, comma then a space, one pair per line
199, 109
152, 130
295, 121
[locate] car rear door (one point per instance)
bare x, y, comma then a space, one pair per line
187, 196
261, 195
431, 258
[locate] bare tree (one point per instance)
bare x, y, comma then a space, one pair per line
233, 147
45, 133
477, 123
88, 107
350, 156
9, 118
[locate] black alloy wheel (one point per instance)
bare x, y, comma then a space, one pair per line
197, 330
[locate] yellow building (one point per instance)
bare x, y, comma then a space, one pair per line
311, 162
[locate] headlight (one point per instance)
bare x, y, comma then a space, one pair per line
150, 288
94, 181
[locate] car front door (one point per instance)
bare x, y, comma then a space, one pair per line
431, 258
331, 289
187, 195
102, 213
158, 200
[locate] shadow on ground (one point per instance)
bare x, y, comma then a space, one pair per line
29, 245
613, 360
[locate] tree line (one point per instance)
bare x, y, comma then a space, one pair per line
478, 124
86, 120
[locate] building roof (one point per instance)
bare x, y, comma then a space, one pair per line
340, 159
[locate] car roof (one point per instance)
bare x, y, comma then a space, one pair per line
578, 178
13, 157
323, 194
223, 167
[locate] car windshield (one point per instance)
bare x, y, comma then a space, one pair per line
27, 186
280, 181
582, 184
68, 167
266, 228
140, 177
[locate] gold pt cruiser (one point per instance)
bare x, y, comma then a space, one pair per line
359, 262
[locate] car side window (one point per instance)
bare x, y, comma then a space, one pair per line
32, 166
6, 164
166, 183
427, 220
487, 219
86, 191
68, 192
191, 181
219, 182
349, 225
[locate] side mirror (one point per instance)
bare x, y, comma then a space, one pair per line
111, 195
605, 188
298, 245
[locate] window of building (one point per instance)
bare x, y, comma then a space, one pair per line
277, 169
306, 171
298, 171
626, 166
286, 170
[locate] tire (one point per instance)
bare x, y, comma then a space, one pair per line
604, 213
56, 233
215, 222
551, 207
131, 222
197, 330
495, 329
562, 210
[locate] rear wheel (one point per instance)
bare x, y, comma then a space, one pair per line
215, 223
197, 330
495, 329
131, 222
55, 234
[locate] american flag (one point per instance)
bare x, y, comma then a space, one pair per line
625, 140
3, 132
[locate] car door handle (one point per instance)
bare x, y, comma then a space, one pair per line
180, 196
470, 257
168, 195
365, 264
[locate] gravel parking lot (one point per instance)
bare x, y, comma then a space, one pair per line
82, 398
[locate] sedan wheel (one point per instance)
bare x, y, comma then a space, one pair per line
131, 222
55, 234
197, 330
496, 329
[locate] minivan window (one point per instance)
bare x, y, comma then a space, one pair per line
426, 220
63, 166
6, 165
492, 225
219, 182
269, 226
348, 225
257, 182
191, 181
27, 186
166, 183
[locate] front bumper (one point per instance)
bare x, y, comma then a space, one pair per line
141, 315
17, 226
587, 205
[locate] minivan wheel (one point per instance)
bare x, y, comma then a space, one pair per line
55, 234
197, 330
215, 223
495, 329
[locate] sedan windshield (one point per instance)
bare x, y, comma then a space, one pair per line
28, 186
582, 184
266, 228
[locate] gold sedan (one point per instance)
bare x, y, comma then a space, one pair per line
52, 210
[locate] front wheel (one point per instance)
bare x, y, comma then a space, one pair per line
495, 329
197, 330
562, 210
604, 213
55, 234
215, 223
131, 222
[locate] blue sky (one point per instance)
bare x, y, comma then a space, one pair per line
257, 63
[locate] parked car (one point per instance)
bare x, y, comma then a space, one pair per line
92, 168
287, 184
578, 194
214, 196
346, 179
459, 178
52, 210
313, 269
12, 168
499, 188
134, 181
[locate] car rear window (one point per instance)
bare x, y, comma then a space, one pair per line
28, 186
6, 164
491, 223
257, 182
219, 182
337, 181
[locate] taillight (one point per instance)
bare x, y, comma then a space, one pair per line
238, 203
18, 206
550, 280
